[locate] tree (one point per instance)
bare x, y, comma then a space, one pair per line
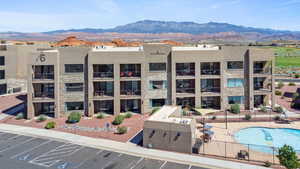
288, 157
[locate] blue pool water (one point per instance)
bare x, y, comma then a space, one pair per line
262, 139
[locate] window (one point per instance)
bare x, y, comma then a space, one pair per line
2, 74
161, 84
73, 68
235, 99
157, 102
235, 65
157, 67
70, 106
2, 60
235, 82
3, 88
74, 87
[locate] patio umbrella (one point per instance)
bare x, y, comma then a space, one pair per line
207, 126
208, 132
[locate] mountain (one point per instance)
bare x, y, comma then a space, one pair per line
150, 26
161, 30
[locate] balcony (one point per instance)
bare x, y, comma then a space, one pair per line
103, 74
130, 70
43, 72
103, 71
130, 74
102, 89
43, 76
130, 88
47, 109
262, 67
185, 86
261, 84
105, 106
210, 85
186, 102
210, 68
185, 69
44, 95
212, 102
132, 105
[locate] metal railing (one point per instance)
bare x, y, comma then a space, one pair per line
103, 93
44, 95
261, 71
130, 74
211, 89
185, 90
43, 76
103, 74
185, 72
131, 92
210, 71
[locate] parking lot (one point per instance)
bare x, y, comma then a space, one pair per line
24, 152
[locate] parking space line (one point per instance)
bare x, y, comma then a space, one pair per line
190, 167
163, 165
141, 159
30, 139
10, 138
54, 156
30, 149
80, 164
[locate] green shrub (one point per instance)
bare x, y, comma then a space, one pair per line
263, 109
248, 117
278, 109
122, 130
235, 109
41, 118
197, 113
278, 93
154, 110
297, 76
277, 118
280, 85
128, 115
184, 113
20, 116
118, 120
267, 164
74, 117
100, 116
50, 125
288, 157
292, 84
214, 118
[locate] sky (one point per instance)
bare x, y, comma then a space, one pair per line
46, 15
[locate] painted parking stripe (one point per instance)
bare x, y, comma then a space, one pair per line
86, 160
101, 160
8, 136
11, 145
54, 156
149, 164
26, 151
171, 165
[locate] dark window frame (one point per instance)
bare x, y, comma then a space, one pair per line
2, 60
235, 65
157, 67
81, 107
74, 68
74, 87
2, 75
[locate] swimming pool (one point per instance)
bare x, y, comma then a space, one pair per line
262, 138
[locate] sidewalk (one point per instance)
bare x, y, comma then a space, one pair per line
127, 148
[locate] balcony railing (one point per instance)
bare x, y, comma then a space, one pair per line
43, 95
210, 72
43, 76
185, 72
262, 88
211, 89
130, 74
185, 90
131, 92
103, 93
103, 75
261, 71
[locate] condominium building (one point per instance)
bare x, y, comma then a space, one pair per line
13, 66
138, 79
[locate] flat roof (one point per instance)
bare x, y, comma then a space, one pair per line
195, 48
117, 49
165, 115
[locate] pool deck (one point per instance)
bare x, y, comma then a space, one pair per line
223, 143
223, 134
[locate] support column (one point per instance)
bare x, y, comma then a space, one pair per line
117, 102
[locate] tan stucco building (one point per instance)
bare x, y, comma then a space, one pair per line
137, 79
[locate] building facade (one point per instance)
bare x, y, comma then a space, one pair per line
138, 79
